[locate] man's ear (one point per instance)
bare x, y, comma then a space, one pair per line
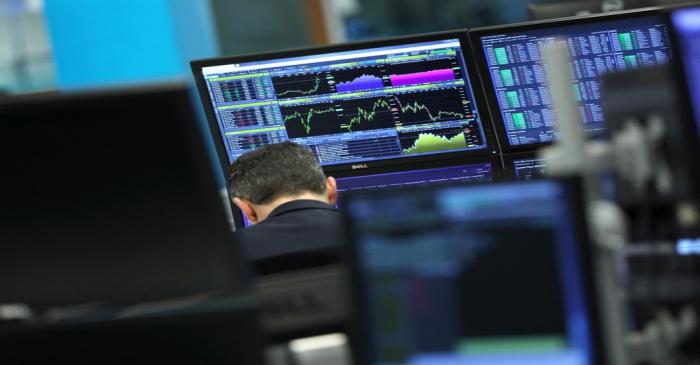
247, 208
331, 190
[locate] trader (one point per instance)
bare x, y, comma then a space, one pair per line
284, 193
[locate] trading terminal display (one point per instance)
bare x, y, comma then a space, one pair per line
516, 73
529, 169
472, 173
488, 274
351, 106
461, 174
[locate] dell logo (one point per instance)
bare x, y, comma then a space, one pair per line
359, 166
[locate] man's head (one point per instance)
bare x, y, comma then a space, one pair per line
261, 180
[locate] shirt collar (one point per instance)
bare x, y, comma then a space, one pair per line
299, 205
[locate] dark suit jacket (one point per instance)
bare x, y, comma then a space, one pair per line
296, 235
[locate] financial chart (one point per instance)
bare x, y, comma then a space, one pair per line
516, 70
352, 106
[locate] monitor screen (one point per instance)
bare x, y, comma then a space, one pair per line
481, 274
472, 173
529, 168
516, 82
355, 106
686, 23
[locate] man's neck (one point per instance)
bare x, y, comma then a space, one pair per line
264, 210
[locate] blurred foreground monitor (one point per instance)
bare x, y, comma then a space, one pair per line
117, 245
484, 274
109, 198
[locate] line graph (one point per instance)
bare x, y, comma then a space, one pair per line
432, 106
366, 114
416, 108
310, 120
300, 85
433, 141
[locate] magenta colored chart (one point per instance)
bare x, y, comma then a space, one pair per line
363, 82
422, 77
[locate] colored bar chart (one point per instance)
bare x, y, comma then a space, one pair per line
513, 99
519, 121
501, 56
631, 61
422, 77
507, 78
628, 41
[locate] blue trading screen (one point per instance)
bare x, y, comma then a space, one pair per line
440, 269
687, 26
529, 169
516, 70
463, 174
351, 106
473, 173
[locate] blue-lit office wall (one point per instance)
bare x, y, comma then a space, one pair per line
99, 43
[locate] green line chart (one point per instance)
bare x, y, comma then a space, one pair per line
300, 85
310, 120
366, 114
432, 106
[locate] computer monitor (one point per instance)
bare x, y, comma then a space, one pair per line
484, 171
478, 172
356, 106
480, 274
110, 198
686, 28
510, 61
524, 166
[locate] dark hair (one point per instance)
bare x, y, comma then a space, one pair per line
275, 170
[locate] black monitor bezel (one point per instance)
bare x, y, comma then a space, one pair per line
359, 326
357, 168
482, 65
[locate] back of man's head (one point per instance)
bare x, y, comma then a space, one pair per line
273, 171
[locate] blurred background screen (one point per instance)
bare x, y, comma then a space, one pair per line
39, 38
